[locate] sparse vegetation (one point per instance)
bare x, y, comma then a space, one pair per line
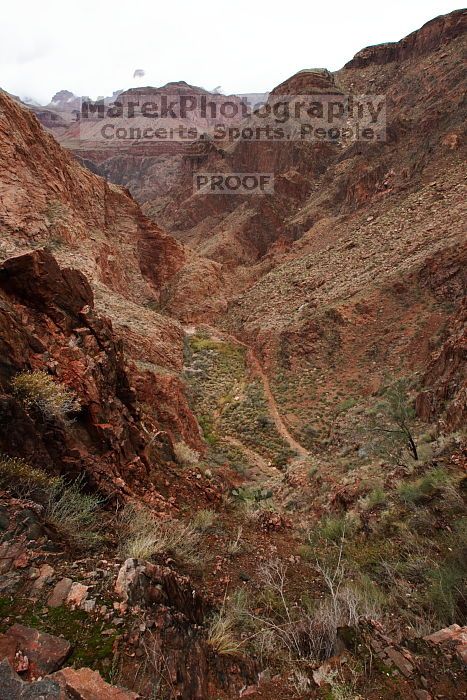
376, 497
74, 514
251, 499
55, 213
250, 493
244, 419
204, 519
423, 489
334, 528
235, 545
185, 455
23, 480
391, 422
274, 625
446, 592
141, 536
346, 405
221, 637
38, 390
311, 473
228, 403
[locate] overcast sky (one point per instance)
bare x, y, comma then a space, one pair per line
93, 48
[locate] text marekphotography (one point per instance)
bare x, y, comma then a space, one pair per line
157, 118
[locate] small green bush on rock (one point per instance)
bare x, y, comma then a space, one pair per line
51, 398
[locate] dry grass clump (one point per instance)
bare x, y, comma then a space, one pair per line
236, 545
24, 481
141, 536
221, 634
185, 455
204, 519
40, 391
73, 513
375, 498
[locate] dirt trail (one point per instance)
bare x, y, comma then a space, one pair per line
254, 364
260, 468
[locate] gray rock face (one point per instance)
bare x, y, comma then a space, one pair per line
13, 688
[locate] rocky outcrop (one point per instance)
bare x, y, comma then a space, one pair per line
445, 379
173, 635
85, 684
48, 323
47, 199
145, 584
430, 37
164, 393
416, 662
311, 81
38, 281
13, 688
30, 667
454, 636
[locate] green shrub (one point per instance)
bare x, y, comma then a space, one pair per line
376, 497
424, 488
39, 390
306, 552
207, 426
249, 494
312, 471
334, 528
282, 457
264, 421
446, 593
391, 423
346, 405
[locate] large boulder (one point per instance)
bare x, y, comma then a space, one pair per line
85, 684
38, 653
38, 279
